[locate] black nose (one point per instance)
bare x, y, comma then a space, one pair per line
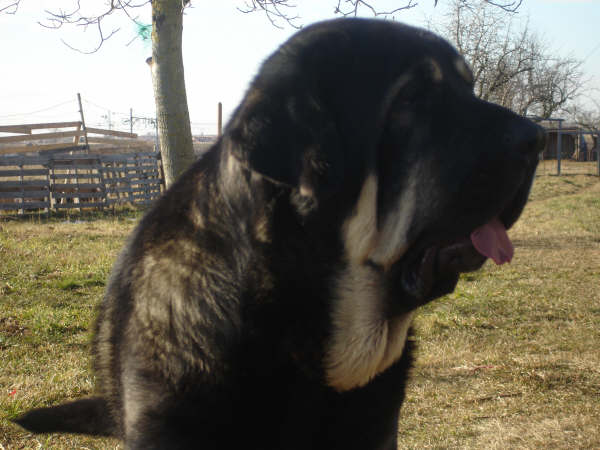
538, 141
525, 137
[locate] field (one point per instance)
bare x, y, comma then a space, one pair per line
511, 359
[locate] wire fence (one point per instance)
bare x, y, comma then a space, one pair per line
568, 167
570, 149
135, 120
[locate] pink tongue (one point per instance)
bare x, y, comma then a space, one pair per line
492, 241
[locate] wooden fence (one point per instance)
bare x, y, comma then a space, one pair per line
79, 181
65, 136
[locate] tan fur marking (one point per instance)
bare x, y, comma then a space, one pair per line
261, 229
364, 341
392, 241
397, 332
436, 70
361, 228
464, 70
232, 165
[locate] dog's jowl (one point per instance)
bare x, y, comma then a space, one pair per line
265, 300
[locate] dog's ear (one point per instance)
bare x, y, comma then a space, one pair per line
289, 138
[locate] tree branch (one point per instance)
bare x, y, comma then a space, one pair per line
56, 19
350, 7
508, 6
11, 8
275, 10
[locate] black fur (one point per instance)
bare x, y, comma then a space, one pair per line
219, 325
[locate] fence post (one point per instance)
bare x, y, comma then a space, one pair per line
85, 136
220, 120
558, 147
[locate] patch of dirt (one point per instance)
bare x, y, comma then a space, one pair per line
11, 327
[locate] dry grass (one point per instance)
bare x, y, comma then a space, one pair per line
51, 277
568, 167
509, 360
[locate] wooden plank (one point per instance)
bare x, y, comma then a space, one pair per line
81, 159
41, 126
23, 172
76, 138
25, 205
148, 181
68, 158
24, 194
144, 169
78, 166
71, 186
64, 164
145, 190
110, 133
41, 148
24, 183
141, 193
63, 176
146, 162
77, 195
129, 157
21, 129
23, 161
129, 178
117, 142
59, 134
114, 159
116, 180
35, 205
29, 148
72, 176
113, 170
119, 190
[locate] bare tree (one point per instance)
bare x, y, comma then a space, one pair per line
511, 65
586, 116
172, 114
167, 61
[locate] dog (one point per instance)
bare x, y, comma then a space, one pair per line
264, 301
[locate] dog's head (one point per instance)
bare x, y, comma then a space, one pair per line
378, 122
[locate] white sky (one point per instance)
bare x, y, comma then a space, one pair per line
223, 48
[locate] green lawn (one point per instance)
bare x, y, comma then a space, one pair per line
511, 359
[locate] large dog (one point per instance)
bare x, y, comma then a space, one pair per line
264, 301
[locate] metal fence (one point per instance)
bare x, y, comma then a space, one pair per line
570, 149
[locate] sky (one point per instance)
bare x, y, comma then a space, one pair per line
223, 48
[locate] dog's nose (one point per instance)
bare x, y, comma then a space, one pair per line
526, 137
538, 141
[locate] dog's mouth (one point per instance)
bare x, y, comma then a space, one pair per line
431, 272
432, 266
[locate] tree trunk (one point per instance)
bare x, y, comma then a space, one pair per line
175, 134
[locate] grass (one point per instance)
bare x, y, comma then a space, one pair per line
509, 360
52, 275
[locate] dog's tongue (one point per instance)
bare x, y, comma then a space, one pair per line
492, 241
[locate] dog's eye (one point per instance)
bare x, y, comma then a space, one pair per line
410, 93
